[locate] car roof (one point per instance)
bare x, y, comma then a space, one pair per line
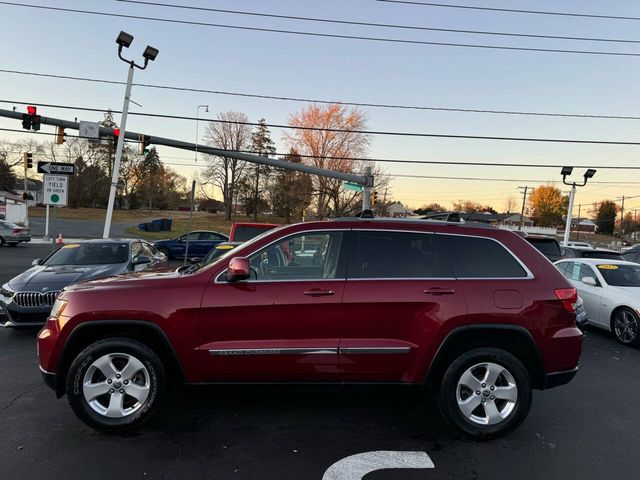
108, 240
407, 221
594, 261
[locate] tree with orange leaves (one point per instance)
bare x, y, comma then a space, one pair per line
339, 139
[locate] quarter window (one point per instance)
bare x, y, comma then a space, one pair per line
307, 256
476, 257
386, 254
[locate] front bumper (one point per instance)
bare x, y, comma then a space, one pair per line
51, 379
555, 379
12, 315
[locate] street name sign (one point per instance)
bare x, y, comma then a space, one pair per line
56, 189
353, 186
56, 168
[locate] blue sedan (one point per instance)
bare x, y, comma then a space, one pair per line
200, 242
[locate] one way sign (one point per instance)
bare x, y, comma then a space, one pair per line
56, 168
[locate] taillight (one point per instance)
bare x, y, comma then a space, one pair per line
568, 296
16, 231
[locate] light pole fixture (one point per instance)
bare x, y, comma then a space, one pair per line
124, 40
567, 171
206, 107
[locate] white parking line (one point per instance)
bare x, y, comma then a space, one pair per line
357, 466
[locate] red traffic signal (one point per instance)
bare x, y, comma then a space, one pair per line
31, 110
116, 132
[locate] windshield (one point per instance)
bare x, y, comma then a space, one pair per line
547, 247
621, 275
8, 224
90, 254
217, 252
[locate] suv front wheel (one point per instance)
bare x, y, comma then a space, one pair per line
115, 384
486, 392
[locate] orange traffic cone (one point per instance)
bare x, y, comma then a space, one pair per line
59, 240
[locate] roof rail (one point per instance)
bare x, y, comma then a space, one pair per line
416, 221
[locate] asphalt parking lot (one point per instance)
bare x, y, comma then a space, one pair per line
589, 429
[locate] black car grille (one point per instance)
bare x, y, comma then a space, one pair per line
35, 299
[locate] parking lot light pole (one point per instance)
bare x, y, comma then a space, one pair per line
124, 40
566, 171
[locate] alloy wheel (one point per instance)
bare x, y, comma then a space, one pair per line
486, 393
625, 326
116, 385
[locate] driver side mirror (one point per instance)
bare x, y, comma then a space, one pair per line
140, 260
590, 281
238, 269
36, 262
195, 260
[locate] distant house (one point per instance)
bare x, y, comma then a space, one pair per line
499, 219
583, 225
397, 210
34, 189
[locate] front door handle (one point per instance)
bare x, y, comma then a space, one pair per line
318, 292
440, 291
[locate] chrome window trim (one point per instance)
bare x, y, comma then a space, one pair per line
529, 275
272, 351
217, 280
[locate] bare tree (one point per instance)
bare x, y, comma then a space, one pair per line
510, 204
330, 148
230, 133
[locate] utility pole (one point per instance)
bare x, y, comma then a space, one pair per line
366, 194
578, 225
622, 219
524, 202
384, 201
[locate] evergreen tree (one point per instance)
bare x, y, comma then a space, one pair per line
262, 145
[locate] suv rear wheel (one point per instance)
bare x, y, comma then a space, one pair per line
486, 392
115, 384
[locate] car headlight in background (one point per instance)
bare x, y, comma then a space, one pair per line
57, 312
6, 291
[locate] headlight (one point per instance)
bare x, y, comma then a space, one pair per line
57, 312
6, 291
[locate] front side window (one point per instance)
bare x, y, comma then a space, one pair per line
476, 257
387, 254
306, 256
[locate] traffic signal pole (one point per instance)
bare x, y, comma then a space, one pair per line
116, 164
26, 195
366, 180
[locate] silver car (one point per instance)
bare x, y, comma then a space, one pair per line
12, 234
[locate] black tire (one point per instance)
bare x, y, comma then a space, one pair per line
13, 244
514, 414
1, 241
625, 326
166, 251
155, 381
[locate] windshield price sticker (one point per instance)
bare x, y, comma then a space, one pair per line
608, 267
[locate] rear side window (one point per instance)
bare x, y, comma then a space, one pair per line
382, 254
630, 256
546, 247
475, 257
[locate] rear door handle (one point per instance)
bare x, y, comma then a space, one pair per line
439, 291
318, 292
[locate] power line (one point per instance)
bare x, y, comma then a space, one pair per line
322, 35
486, 179
510, 10
329, 102
341, 130
373, 24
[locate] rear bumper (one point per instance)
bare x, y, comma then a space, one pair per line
556, 379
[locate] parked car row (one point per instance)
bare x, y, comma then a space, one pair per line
12, 234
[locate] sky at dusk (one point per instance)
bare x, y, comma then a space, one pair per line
66, 43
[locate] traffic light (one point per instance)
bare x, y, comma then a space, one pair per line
60, 136
374, 197
143, 148
30, 120
27, 159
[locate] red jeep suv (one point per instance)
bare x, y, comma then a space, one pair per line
475, 312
